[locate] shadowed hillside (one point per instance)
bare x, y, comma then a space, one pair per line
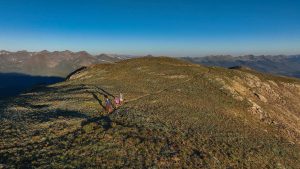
176, 115
12, 84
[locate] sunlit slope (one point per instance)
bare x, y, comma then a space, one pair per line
176, 114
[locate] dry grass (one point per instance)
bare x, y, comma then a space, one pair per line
187, 121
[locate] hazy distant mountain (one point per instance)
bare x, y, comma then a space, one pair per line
111, 57
45, 63
280, 64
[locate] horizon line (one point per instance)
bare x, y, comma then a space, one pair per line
133, 55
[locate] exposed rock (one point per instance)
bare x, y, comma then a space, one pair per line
240, 68
261, 97
257, 110
76, 74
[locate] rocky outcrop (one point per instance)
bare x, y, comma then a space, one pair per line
272, 101
76, 74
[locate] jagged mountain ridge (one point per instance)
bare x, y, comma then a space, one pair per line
176, 115
287, 65
45, 63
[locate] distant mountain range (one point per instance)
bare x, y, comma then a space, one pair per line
62, 63
45, 63
280, 64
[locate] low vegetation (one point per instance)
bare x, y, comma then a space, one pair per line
176, 115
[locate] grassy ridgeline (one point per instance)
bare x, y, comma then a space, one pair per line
176, 115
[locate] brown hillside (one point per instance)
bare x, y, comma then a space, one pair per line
176, 115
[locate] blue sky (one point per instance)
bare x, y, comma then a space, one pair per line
158, 27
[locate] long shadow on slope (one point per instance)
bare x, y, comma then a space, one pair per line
93, 90
55, 114
103, 121
83, 87
98, 100
104, 92
12, 84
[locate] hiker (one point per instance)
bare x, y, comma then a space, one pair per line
108, 105
119, 100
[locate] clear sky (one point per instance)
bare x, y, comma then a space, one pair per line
158, 27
